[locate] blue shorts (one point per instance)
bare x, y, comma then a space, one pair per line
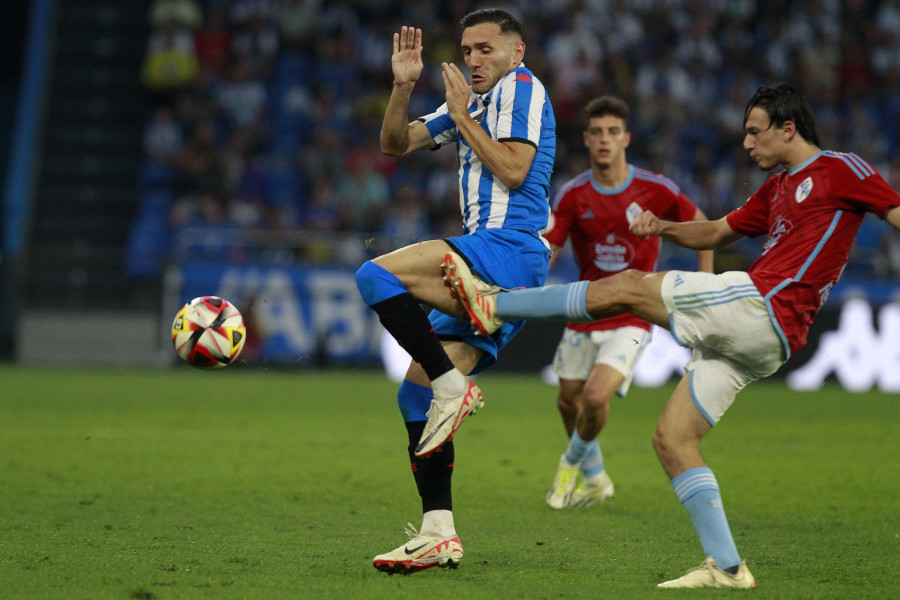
503, 257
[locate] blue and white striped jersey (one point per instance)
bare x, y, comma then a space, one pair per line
516, 109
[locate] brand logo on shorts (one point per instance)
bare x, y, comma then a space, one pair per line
678, 280
803, 190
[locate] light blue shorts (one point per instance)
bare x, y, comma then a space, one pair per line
503, 257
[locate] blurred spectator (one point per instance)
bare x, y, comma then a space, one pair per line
170, 62
405, 224
256, 38
297, 21
200, 167
213, 42
362, 192
184, 13
243, 100
163, 137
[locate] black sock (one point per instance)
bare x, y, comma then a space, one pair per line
733, 570
433, 472
405, 319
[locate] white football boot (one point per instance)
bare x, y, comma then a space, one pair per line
446, 415
709, 575
591, 490
423, 550
560, 493
478, 297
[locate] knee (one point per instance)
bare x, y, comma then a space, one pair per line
567, 404
668, 441
614, 291
596, 401
376, 284
364, 276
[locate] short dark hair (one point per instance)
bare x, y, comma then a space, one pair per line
782, 102
606, 105
508, 23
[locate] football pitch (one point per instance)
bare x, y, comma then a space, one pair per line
253, 483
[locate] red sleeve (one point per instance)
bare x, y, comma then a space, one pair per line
562, 218
864, 188
681, 209
752, 219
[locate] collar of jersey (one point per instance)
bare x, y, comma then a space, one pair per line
804, 164
611, 192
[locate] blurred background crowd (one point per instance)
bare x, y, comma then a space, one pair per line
262, 141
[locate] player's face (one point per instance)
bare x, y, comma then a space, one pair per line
490, 55
764, 141
606, 139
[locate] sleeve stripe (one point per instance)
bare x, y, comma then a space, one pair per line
860, 168
654, 178
866, 167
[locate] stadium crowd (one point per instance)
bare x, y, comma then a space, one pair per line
262, 142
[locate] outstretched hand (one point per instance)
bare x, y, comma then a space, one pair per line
645, 225
406, 59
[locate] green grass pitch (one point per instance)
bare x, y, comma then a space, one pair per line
253, 483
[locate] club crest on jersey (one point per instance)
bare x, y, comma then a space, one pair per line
613, 254
632, 212
803, 190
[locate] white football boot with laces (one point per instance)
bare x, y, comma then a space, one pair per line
477, 297
423, 550
709, 575
446, 415
560, 493
591, 490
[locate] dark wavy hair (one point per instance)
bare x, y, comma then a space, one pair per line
782, 102
606, 105
508, 23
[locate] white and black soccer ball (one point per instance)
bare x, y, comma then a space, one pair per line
208, 332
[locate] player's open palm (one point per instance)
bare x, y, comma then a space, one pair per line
406, 60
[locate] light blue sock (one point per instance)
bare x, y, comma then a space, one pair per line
698, 491
552, 302
577, 450
592, 463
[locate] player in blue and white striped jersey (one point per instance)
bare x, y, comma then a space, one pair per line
505, 136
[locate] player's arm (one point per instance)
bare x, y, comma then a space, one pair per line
704, 257
398, 135
508, 161
696, 235
556, 250
892, 216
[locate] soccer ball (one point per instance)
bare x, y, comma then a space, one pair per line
208, 332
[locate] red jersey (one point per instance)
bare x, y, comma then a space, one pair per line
811, 214
597, 219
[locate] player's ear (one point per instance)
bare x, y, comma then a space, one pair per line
518, 52
789, 129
